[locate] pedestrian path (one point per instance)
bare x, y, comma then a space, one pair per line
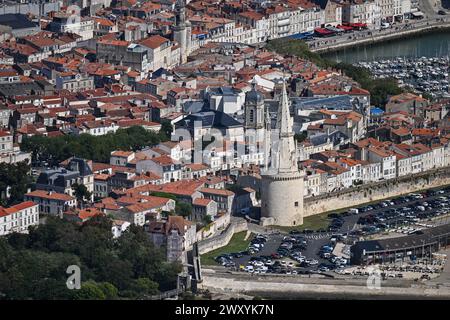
318, 236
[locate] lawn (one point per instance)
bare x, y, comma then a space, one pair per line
314, 222
236, 244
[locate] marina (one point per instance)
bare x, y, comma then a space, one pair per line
424, 75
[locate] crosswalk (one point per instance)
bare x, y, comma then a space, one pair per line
318, 236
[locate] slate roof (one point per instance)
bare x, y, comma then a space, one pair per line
16, 21
211, 118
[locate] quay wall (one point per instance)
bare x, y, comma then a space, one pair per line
332, 47
210, 244
288, 289
376, 191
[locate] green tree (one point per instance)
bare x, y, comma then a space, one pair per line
33, 266
15, 180
109, 290
81, 193
183, 209
90, 290
300, 137
145, 286
166, 129
98, 148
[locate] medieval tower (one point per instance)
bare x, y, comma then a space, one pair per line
282, 183
182, 31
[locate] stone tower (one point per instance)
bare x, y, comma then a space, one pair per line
282, 183
254, 113
182, 30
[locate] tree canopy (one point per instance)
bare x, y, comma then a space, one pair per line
98, 148
15, 180
33, 266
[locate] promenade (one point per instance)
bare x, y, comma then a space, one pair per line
400, 30
295, 287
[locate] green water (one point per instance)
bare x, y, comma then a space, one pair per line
434, 44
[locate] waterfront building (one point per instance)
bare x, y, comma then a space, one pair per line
367, 12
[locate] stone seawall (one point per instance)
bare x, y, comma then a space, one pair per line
292, 289
376, 191
400, 34
210, 244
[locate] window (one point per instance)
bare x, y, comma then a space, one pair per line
296, 203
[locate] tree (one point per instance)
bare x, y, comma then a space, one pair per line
166, 129
15, 181
81, 192
109, 290
98, 148
145, 286
90, 290
207, 219
300, 137
183, 209
32, 266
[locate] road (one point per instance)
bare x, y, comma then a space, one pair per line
432, 20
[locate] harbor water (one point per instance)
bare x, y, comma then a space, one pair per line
434, 44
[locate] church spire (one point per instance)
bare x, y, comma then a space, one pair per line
286, 153
284, 121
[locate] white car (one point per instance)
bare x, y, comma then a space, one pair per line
314, 262
249, 269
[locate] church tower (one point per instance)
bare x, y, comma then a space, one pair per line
182, 31
282, 183
254, 114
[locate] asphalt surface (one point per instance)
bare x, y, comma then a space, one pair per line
316, 240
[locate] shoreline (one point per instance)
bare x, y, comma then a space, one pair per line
373, 40
295, 289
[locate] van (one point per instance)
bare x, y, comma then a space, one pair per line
353, 210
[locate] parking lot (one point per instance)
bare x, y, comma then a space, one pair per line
314, 251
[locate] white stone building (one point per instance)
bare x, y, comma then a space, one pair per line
18, 218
